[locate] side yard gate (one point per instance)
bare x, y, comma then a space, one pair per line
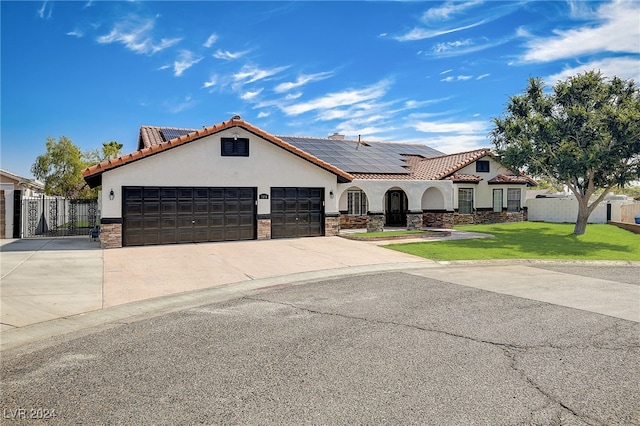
46, 216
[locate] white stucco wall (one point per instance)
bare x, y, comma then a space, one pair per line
483, 192
415, 189
199, 163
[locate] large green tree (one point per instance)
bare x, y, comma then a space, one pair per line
60, 167
110, 150
585, 133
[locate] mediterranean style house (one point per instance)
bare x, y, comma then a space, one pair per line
235, 181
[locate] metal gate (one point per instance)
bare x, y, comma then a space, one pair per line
45, 216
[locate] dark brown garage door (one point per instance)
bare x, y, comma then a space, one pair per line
165, 215
297, 212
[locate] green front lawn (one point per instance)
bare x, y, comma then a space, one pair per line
532, 240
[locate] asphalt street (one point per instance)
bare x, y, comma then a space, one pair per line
383, 348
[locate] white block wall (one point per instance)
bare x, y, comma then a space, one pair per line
562, 210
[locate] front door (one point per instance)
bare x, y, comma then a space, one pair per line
396, 208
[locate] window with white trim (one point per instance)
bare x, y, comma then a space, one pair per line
357, 204
497, 200
513, 199
465, 200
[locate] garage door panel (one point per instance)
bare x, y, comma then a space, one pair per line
163, 215
133, 208
185, 193
201, 193
151, 222
168, 193
216, 207
151, 194
297, 212
185, 207
167, 236
168, 207
151, 208
200, 207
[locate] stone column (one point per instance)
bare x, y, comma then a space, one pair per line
331, 224
376, 222
414, 220
111, 233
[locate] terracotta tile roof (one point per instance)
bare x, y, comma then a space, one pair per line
93, 174
522, 179
434, 168
460, 178
151, 135
437, 168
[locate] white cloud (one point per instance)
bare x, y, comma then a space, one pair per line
229, 56
75, 33
185, 104
292, 96
251, 74
625, 68
338, 99
213, 80
449, 8
464, 47
301, 81
185, 60
164, 67
444, 47
458, 143
263, 114
462, 128
135, 34
451, 78
446, 71
422, 33
480, 77
618, 31
212, 39
45, 12
248, 96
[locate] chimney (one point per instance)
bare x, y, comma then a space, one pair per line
336, 136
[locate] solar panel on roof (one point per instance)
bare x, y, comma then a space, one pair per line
169, 134
372, 157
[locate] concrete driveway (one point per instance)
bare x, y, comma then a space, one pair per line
47, 279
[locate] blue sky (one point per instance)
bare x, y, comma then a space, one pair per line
421, 72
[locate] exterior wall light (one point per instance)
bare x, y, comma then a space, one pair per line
112, 194
331, 193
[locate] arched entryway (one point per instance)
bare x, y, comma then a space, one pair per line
396, 204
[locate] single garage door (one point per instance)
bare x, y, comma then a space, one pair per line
165, 215
297, 212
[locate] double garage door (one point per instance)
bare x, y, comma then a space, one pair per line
165, 215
